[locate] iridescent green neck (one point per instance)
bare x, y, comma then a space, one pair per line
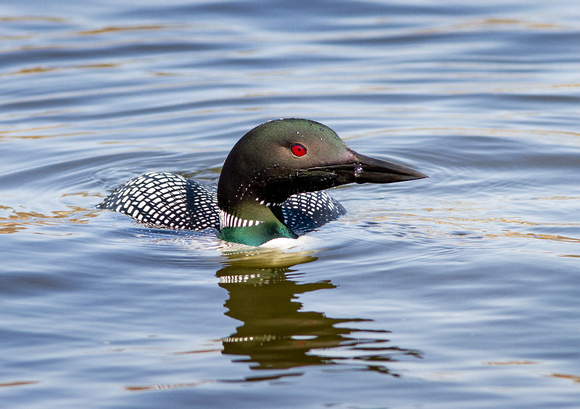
252, 225
256, 235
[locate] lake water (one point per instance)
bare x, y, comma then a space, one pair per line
461, 290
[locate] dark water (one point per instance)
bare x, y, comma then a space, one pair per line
462, 290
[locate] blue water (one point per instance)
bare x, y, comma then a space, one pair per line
461, 290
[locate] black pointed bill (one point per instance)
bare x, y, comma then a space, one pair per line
363, 169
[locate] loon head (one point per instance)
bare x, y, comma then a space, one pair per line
283, 157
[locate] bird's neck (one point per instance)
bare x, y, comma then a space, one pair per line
249, 222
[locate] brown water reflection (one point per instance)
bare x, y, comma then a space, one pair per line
13, 221
278, 333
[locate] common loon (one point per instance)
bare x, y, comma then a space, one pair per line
271, 186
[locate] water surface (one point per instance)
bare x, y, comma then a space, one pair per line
459, 290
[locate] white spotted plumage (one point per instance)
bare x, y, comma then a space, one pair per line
166, 200
172, 201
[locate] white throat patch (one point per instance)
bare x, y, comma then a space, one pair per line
229, 220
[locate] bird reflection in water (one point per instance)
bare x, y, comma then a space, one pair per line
276, 333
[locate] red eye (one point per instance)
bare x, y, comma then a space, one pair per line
298, 150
